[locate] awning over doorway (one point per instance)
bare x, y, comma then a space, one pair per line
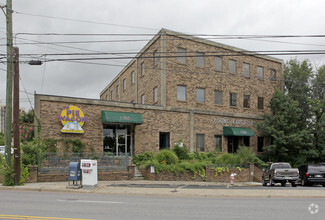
121, 117
236, 131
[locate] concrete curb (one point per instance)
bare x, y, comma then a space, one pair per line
143, 188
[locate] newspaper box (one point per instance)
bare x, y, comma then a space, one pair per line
89, 173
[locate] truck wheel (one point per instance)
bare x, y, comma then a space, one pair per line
323, 184
264, 183
283, 183
303, 182
293, 184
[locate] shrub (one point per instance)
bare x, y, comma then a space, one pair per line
225, 158
140, 159
8, 176
245, 155
181, 152
167, 156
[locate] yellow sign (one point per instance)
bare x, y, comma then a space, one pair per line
72, 119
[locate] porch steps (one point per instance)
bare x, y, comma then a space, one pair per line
138, 175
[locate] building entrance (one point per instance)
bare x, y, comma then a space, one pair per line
119, 139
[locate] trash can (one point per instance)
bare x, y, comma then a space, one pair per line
74, 172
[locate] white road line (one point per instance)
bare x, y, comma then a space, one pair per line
89, 201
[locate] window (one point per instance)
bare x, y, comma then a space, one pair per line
142, 69
200, 95
260, 72
232, 67
142, 99
218, 142
233, 99
164, 142
246, 101
218, 97
199, 142
218, 63
260, 102
181, 55
112, 95
117, 91
273, 75
106, 97
181, 93
200, 59
155, 95
260, 144
132, 77
246, 70
246, 141
124, 84
155, 58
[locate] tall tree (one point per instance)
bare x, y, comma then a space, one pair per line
290, 142
317, 106
297, 78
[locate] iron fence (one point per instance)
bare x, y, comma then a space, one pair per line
59, 162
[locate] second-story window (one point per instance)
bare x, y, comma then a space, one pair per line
260, 103
246, 101
233, 99
200, 95
155, 95
232, 67
181, 55
142, 99
246, 70
218, 97
200, 59
181, 93
112, 95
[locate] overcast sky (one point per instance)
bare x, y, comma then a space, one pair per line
219, 17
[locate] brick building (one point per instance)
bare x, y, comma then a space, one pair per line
178, 87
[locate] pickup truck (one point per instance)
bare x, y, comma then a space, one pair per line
280, 173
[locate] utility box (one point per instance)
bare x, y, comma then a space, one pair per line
89, 173
74, 173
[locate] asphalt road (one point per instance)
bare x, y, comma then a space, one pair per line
37, 205
176, 186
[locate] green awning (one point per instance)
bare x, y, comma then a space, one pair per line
236, 131
121, 117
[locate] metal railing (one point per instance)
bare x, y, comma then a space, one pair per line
59, 162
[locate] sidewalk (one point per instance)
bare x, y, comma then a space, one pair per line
177, 188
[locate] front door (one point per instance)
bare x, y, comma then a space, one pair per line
121, 143
232, 144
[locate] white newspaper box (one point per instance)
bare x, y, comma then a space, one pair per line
89, 173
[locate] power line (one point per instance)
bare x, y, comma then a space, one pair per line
84, 21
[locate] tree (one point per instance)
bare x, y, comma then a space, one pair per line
290, 142
317, 106
2, 139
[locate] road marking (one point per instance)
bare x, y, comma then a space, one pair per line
90, 201
37, 217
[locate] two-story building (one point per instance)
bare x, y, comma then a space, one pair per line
178, 87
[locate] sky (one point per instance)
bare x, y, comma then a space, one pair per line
37, 23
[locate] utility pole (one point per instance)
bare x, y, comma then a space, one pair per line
8, 117
16, 118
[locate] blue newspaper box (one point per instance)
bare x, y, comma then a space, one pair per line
74, 172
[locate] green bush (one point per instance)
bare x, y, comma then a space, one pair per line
30, 152
140, 159
181, 152
245, 155
8, 176
167, 156
225, 158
